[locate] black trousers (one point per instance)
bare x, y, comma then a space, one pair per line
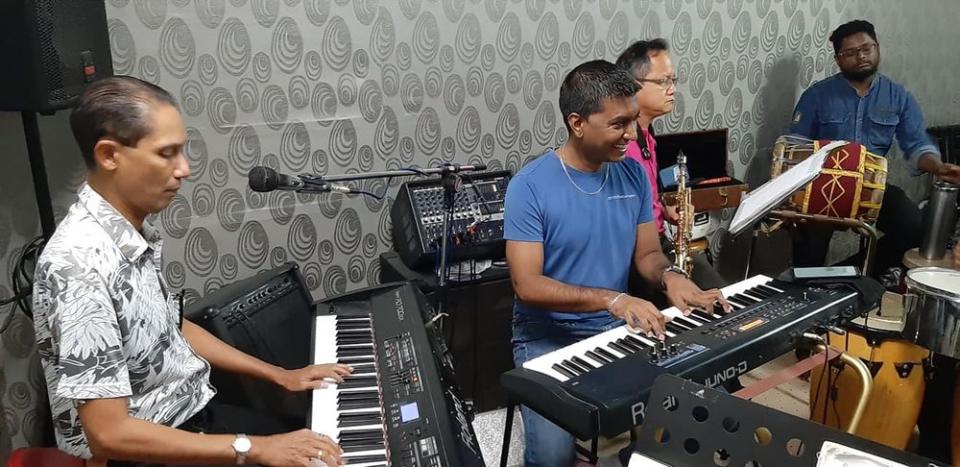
221, 418
900, 221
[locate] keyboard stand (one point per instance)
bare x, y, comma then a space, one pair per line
591, 454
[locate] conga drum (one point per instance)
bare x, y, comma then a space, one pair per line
898, 381
850, 185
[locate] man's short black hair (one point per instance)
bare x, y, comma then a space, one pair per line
117, 108
636, 58
586, 87
846, 30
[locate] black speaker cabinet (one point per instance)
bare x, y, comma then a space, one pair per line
51, 50
269, 316
481, 314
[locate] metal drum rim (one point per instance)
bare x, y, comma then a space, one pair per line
929, 289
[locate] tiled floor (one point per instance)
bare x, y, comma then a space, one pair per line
790, 397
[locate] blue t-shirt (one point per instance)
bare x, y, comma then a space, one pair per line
588, 240
831, 109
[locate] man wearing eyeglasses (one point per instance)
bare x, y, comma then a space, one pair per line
650, 65
859, 104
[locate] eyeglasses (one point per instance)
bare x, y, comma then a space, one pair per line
645, 152
867, 50
662, 82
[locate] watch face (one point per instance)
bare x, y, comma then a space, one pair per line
242, 445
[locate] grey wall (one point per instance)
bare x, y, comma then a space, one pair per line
337, 86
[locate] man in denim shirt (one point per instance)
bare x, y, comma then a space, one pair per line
859, 104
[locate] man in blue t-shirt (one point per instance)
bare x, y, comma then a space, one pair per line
859, 104
576, 219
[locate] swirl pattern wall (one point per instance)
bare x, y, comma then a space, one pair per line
334, 86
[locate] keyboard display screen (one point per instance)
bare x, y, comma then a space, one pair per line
409, 412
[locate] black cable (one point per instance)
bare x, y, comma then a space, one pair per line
816, 397
22, 281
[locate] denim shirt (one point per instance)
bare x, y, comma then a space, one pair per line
831, 109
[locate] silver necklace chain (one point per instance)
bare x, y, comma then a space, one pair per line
606, 172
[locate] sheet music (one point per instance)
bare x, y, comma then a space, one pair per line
763, 199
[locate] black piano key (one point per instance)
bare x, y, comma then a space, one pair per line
599, 358
702, 315
621, 348
748, 299
354, 352
563, 370
674, 328
758, 292
575, 367
606, 353
683, 325
355, 330
770, 290
358, 404
353, 319
631, 345
353, 327
361, 434
737, 303
355, 343
357, 384
355, 359
354, 322
353, 423
695, 317
583, 363
354, 395
366, 459
364, 446
687, 321
639, 343
368, 417
364, 337
363, 366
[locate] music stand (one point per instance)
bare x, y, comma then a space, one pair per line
757, 204
690, 424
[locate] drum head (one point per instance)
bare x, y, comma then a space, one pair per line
941, 282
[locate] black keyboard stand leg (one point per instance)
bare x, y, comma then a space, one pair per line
594, 458
507, 429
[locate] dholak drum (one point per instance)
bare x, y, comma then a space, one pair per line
898, 381
850, 185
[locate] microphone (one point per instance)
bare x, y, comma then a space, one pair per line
456, 168
264, 179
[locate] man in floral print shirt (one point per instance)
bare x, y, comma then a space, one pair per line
127, 380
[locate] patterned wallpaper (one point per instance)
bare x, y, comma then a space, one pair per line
341, 86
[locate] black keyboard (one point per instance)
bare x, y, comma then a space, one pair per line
599, 386
399, 407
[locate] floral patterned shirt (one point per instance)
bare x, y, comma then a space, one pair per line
107, 326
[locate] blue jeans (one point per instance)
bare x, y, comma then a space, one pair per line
547, 444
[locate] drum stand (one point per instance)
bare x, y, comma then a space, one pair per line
866, 231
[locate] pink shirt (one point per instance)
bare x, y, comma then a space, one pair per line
649, 166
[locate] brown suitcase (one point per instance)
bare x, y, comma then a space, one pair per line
713, 188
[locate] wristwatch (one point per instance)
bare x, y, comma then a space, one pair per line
672, 268
241, 447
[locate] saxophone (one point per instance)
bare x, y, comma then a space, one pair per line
681, 241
